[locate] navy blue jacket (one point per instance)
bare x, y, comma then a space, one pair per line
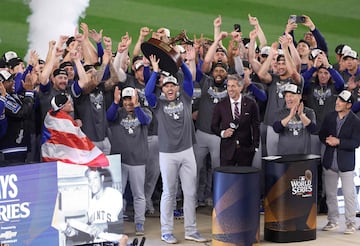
349, 136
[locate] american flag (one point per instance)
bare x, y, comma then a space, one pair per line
63, 140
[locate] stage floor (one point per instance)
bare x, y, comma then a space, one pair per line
152, 231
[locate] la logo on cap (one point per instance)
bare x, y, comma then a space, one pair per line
128, 92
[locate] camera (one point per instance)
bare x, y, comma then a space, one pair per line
237, 28
297, 18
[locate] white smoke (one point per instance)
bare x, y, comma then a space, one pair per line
51, 18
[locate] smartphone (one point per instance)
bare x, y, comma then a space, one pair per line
300, 19
292, 18
297, 18
237, 27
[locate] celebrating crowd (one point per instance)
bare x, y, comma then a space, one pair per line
225, 106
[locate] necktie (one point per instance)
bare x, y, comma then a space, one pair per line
236, 111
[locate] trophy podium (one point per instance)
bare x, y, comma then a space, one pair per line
170, 59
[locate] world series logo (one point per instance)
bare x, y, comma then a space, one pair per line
302, 186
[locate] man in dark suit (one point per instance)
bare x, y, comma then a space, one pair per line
340, 132
236, 120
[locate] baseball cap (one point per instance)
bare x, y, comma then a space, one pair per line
59, 71
66, 64
59, 101
138, 65
221, 49
170, 79
128, 92
223, 65
265, 50
341, 48
314, 53
10, 55
346, 96
292, 88
5, 75
350, 53
88, 67
14, 62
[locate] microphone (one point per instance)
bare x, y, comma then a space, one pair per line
234, 124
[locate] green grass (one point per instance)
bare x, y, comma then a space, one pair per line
338, 21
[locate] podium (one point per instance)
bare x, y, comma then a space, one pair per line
236, 195
290, 198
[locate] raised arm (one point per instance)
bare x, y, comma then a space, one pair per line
75, 57
143, 115
294, 52
320, 40
234, 53
209, 57
255, 64
260, 34
290, 65
217, 27
121, 56
150, 85
263, 73
88, 50
97, 37
49, 64
144, 32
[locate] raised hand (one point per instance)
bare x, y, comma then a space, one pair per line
117, 95
96, 36
253, 20
28, 84
217, 21
236, 36
154, 63
85, 29
135, 99
107, 42
144, 31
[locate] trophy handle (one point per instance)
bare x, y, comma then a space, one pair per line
181, 37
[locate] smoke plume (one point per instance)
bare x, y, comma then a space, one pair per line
51, 18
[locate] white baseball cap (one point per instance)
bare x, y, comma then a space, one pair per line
128, 92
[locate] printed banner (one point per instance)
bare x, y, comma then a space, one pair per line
54, 203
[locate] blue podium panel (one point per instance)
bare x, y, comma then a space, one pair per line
236, 196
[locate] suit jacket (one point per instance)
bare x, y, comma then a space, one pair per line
349, 136
248, 132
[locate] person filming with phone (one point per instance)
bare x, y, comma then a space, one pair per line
313, 37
